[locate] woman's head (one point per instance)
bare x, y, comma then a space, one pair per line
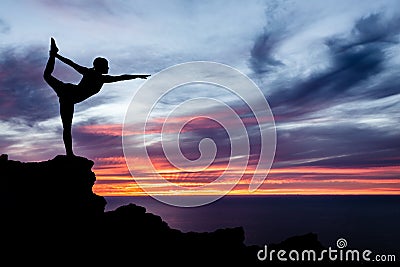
100, 64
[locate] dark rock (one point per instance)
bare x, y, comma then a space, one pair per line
51, 215
58, 187
4, 157
52, 211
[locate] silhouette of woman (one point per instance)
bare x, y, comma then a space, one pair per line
69, 94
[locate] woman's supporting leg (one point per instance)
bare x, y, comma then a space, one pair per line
66, 105
67, 112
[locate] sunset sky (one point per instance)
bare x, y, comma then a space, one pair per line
330, 71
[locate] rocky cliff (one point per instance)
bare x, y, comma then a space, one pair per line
50, 215
51, 212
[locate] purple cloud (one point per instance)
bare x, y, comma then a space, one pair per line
24, 94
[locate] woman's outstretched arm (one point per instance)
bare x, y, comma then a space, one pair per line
123, 77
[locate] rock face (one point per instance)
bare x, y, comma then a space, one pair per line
61, 187
51, 212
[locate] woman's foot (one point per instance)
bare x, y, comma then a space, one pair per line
71, 155
53, 47
69, 152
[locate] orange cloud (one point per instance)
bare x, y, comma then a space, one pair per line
114, 177
102, 129
296, 180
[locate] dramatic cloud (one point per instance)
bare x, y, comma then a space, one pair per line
262, 54
341, 114
24, 94
339, 144
328, 69
355, 60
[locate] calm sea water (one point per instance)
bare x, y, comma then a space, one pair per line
366, 222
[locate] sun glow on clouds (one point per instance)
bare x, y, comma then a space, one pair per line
114, 178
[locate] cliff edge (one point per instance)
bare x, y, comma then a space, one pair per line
51, 212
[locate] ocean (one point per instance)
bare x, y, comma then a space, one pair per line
365, 222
